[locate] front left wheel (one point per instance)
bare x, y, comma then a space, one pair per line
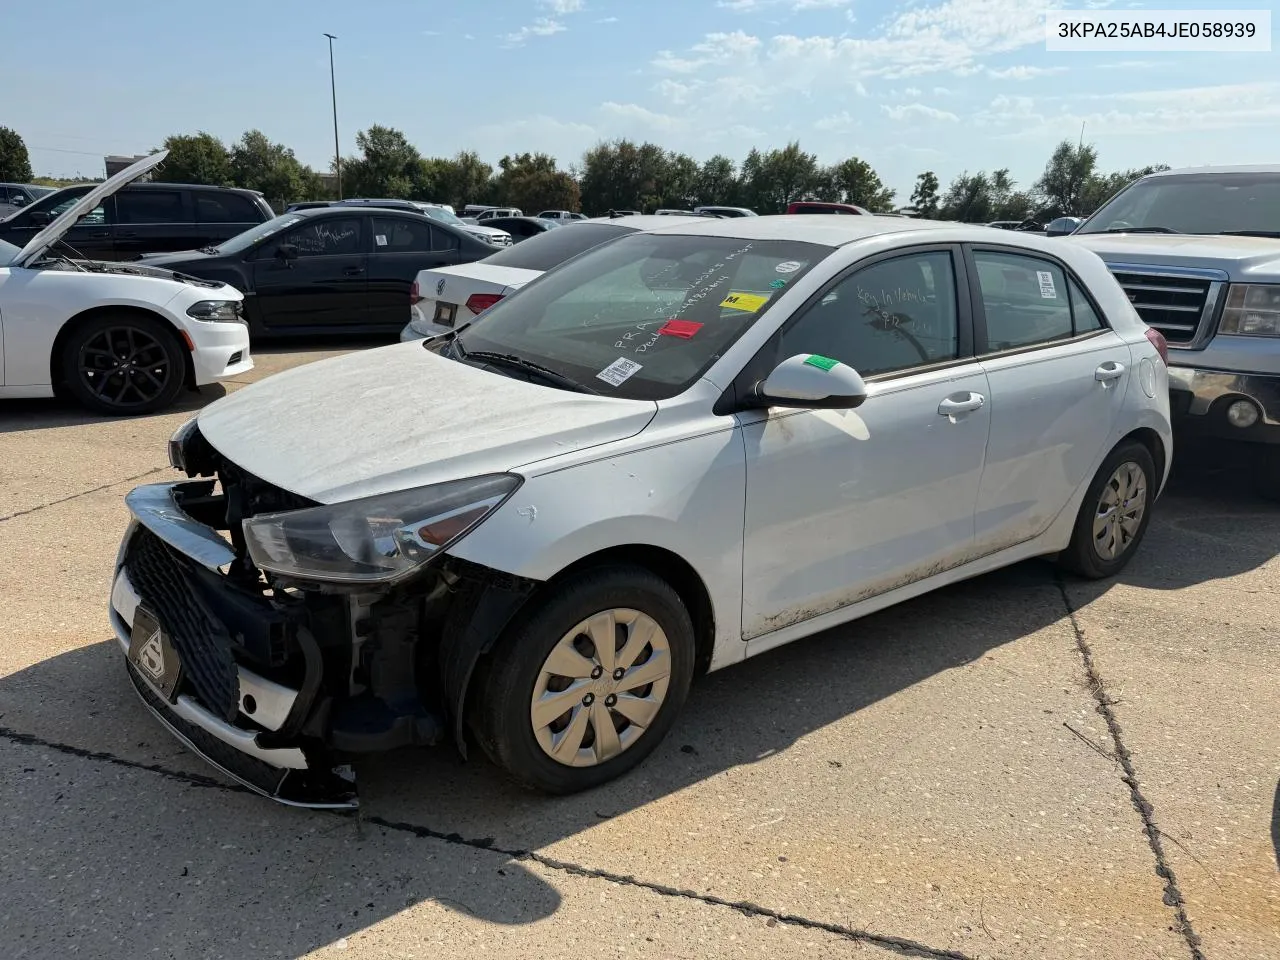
123, 364
587, 685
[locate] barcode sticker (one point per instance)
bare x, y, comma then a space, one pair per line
1047, 292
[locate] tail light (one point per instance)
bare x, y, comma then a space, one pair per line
415, 296
1158, 341
480, 302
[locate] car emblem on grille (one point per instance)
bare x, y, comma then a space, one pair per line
151, 656
440, 288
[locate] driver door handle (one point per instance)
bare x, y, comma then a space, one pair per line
955, 406
1111, 370
353, 271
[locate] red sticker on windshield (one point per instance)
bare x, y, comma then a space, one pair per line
684, 329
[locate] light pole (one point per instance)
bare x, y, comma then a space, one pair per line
333, 86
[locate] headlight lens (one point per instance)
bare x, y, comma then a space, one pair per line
375, 539
178, 444
215, 310
1253, 310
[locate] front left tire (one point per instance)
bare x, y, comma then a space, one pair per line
123, 364
587, 684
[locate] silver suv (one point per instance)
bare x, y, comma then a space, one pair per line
1198, 252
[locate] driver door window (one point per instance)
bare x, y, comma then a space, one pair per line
325, 238
890, 316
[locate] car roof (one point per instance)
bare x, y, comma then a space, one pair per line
164, 185
338, 210
648, 221
1228, 168
832, 230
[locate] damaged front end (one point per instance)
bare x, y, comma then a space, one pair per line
281, 679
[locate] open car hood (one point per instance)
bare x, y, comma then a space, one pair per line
57, 229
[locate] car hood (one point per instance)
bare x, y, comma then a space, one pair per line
1241, 257
171, 258
398, 417
58, 228
480, 228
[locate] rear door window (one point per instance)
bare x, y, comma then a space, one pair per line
225, 208
150, 206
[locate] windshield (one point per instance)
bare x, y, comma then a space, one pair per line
243, 241
441, 214
550, 249
644, 317
1194, 203
8, 252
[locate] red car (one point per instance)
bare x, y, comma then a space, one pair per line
819, 206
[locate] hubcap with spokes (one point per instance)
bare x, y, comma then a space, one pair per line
124, 366
601, 687
1120, 510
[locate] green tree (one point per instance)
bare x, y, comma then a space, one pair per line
716, 183
968, 199
679, 186
533, 182
1062, 185
15, 163
456, 181
621, 175
197, 158
854, 181
272, 168
772, 180
924, 198
387, 168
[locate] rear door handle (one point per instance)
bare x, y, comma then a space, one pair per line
1111, 370
353, 271
100, 234
958, 405
128, 234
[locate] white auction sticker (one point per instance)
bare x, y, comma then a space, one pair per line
380, 239
1047, 291
788, 266
618, 371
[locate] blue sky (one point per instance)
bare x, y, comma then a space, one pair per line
946, 85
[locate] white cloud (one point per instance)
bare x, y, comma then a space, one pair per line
542, 27
607, 20
796, 6
635, 114
836, 122
912, 92
561, 7
565, 141
1023, 72
941, 92
716, 48
919, 110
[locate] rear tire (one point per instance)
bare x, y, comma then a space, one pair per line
123, 364
546, 693
1114, 514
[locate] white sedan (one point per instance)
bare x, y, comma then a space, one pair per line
674, 452
444, 296
121, 338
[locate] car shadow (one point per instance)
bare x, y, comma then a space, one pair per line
734, 718
17, 416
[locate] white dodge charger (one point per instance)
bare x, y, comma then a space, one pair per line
122, 338
678, 450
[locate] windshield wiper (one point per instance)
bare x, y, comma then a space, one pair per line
520, 363
1248, 233
1140, 230
211, 250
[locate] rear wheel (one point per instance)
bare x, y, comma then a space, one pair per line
1114, 515
585, 687
123, 364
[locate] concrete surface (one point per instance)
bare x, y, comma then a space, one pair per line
1017, 766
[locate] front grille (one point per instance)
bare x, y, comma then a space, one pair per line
203, 644
1174, 305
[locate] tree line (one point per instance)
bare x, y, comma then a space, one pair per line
621, 175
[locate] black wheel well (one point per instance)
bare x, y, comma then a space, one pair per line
86, 316
1155, 446
676, 571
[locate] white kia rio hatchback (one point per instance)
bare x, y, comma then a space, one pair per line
678, 450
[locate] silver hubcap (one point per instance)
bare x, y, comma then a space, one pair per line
601, 687
1120, 510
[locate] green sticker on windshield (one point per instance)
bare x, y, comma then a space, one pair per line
822, 363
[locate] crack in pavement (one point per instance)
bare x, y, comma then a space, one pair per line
83, 493
900, 945
1172, 895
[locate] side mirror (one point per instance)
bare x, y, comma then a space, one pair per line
1057, 232
18, 200
812, 381
40, 219
286, 252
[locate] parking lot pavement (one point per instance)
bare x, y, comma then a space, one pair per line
1017, 766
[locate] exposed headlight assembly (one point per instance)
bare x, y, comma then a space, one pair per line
374, 540
1253, 310
215, 310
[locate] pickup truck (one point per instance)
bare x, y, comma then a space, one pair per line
1197, 251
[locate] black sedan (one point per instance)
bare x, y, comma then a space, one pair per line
329, 269
522, 228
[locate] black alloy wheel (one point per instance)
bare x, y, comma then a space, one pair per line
124, 365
